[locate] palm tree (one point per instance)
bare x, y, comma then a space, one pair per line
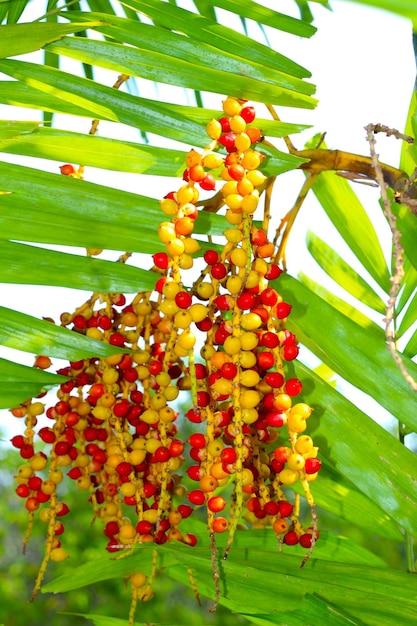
50, 216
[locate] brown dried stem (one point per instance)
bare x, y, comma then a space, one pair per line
398, 253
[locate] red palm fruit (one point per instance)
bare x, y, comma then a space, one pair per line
185, 510
291, 538
275, 419
285, 508
290, 352
194, 416
196, 497
183, 300
228, 370
306, 540
274, 379
197, 440
265, 361
218, 271
269, 297
248, 113
22, 491
225, 124
161, 260
176, 447
208, 183
271, 508
293, 386
312, 466
220, 525
273, 272
67, 169
246, 300
18, 441
254, 133
283, 310
211, 257
190, 539
216, 504
253, 504
228, 141
259, 237
269, 340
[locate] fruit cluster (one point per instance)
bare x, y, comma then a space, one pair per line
115, 428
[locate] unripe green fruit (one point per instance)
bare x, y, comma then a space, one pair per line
250, 202
252, 279
302, 409
256, 177
136, 457
35, 409
251, 161
168, 307
223, 386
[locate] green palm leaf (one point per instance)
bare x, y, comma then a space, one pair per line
269, 17
31, 139
24, 332
207, 31
78, 213
19, 382
348, 349
16, 39
29, 265
156, 49
343, 274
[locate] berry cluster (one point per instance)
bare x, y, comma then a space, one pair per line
115, 429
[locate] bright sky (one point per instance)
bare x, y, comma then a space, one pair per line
362, 62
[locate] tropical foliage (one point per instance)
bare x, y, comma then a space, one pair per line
366, 492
